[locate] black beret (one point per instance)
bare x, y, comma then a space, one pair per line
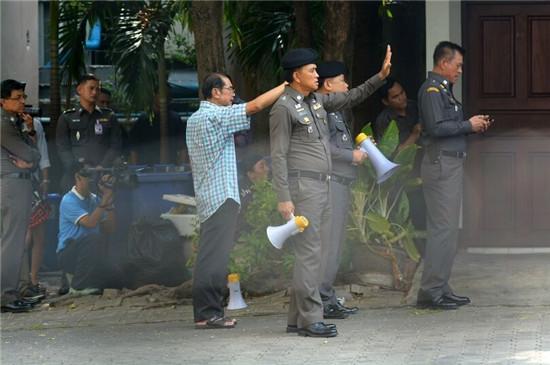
331, 69
298, 57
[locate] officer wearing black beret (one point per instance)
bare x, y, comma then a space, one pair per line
87, 132
301, 167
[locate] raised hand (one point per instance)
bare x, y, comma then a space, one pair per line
386, 65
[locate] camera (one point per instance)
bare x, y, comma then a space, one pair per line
121, 176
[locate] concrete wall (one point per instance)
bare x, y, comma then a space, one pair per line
19, 44
443, 23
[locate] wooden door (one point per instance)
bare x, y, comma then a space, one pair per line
507, 75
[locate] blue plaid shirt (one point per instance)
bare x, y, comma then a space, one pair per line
212, 152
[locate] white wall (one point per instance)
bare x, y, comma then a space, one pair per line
443, 23
19, 52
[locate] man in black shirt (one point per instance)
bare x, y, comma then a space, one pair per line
398, 108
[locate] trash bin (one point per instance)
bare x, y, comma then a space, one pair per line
144, 200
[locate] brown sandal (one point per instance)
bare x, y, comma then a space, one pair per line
216, 322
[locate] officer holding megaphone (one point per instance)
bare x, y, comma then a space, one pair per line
345, 158
302, 167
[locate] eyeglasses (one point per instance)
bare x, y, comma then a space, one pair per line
19, 98
230, 88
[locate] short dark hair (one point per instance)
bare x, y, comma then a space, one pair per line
446, 50
288, 75
105, 91
385, 88
86, 77
9, 85
213, 81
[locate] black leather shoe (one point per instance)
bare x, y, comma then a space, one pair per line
347, 310
331, 311
294, 329
439, 303
318, 329
16, 306
457, 299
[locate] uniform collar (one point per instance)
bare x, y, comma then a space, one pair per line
82, 110
295, 94
9, 116
440, 79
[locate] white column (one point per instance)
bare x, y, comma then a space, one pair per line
443, 23
19, 44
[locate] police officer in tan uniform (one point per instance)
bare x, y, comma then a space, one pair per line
301, 166
88, 132
18, 158
444, 132
345, 158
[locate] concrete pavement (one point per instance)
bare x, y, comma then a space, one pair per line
507, 323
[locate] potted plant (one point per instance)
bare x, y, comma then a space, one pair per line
380, 215
263, 268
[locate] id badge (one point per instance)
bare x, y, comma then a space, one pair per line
98, 128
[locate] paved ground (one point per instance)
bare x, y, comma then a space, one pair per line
508, 323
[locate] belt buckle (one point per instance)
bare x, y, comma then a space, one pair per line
327, 179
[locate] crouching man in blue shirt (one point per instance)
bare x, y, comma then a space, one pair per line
84, 221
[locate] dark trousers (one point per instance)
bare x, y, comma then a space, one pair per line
216, 240
340, 198
85, 258
442, 184
15, 210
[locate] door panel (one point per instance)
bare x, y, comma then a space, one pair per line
507, 75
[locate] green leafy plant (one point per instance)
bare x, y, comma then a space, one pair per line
253, 253
380, 215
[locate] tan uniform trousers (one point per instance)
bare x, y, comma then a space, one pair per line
311, 199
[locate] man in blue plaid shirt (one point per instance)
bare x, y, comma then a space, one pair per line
212, 153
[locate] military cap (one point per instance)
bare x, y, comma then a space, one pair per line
331, 69
298, 57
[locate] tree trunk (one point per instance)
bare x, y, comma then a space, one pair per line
337, 30
302, 24
68, 91
163, 101
55, 94
207, 28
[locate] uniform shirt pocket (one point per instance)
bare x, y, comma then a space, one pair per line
342, 138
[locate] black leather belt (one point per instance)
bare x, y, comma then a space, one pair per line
18, 175
342, 180
310, 175
455, 154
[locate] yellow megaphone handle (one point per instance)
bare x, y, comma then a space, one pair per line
360, 138
301, 222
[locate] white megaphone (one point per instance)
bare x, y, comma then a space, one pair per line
278, 235
384, 167
236, 300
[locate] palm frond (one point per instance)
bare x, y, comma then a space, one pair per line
136, 40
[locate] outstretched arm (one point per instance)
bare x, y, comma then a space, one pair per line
266, 99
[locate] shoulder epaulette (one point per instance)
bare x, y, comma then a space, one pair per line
432, 89
72, 110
